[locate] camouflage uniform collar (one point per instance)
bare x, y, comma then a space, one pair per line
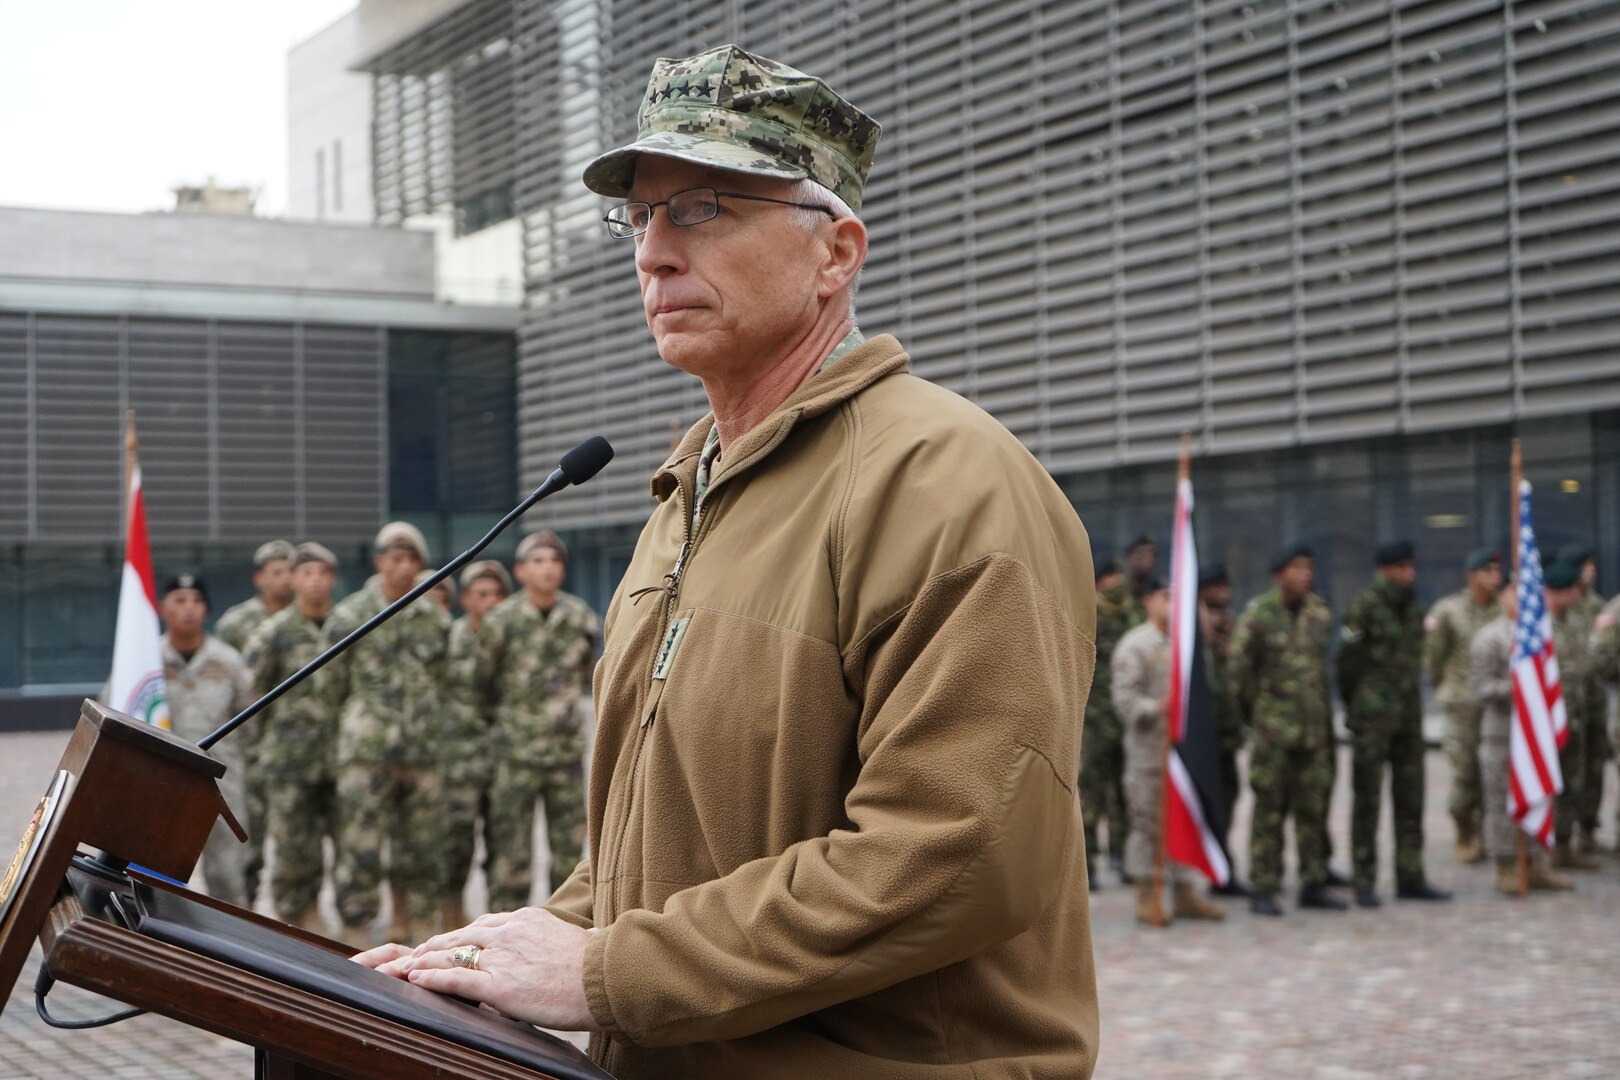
855, 370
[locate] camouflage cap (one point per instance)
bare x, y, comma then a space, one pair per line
730, 109
486, 568
544, 538
270, 551
311, 552
402, 536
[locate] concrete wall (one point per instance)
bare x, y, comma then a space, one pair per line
205, 250
329, 127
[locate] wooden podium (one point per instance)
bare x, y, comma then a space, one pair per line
136, 794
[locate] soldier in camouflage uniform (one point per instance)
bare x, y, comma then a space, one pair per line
207, 685
1595, 701
1279, 679
1102, 750
466, 763
1448, 631
1572, 639
297, 740
1380, 673
535, 653
1605, 666
272, 585
1140, 686
1217, 622
387, 692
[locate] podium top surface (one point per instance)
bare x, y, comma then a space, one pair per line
125, 728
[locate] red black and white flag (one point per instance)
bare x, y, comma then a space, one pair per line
1195, 821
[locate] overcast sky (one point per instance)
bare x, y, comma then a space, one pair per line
107, 104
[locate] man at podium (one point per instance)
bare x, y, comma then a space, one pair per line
833, 824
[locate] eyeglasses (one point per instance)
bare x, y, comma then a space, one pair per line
690, 207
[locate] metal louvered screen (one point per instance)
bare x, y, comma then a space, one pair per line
442, 119
247, 430
1270, 223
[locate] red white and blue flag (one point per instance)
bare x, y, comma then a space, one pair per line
1194, 810
1540, 723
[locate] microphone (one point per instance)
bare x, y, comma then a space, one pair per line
577, 466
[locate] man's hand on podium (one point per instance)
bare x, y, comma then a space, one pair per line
531, 967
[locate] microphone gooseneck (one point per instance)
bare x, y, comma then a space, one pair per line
577, 466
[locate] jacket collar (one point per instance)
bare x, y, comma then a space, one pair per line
876, 359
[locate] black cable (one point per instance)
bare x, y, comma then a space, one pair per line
42, 986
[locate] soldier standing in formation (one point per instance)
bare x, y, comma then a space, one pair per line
1380, 650
1216, 622
535, 654
1141, 688
1605, 673
1594, 702
466, 762
386, 691
297, 741
208, 684
1102, 757
1141, 559
1490, 680
272, 586
1571, 642
1449, 629
1279, 678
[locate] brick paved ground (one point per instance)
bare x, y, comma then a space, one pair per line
1406, 991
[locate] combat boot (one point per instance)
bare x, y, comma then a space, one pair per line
1149, 913
1565, 857
1507, 875
1315, 895
1469, 848
402, 930
1189, 905
1264, 904
1545, 878
452, 915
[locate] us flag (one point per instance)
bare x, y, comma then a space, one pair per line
1540, 725
1194, 811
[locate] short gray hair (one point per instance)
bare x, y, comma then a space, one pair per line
808, 191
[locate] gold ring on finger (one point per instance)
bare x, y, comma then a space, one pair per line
467, 957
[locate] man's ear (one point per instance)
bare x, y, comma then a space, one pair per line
846, 254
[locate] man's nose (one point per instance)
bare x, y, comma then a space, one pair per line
660, 250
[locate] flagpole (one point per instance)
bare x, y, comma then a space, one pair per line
1517, 469
131, 447
1183, 473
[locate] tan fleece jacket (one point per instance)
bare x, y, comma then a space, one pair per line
832, 810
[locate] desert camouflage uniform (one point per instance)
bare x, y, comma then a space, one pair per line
204, 692
1140, 680
1102, 750
1380, 672
1490, 682
296, 758
1571, 642
1279, 679
235, 628
535, 667
386, 691
1449, 629
466, 764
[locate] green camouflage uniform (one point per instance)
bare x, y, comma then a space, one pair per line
204, 692
1449, 629
1380, 672
296, 757
235, 628
535, 667
386, 691
1229, 723
1102, 749
1279, 679
466, 764
1595, 721
1571, 641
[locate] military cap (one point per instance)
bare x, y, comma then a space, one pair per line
1394, 553
401, 536
1213, 574
486, 568
1280, 561
1141, 542
1562, 575
270, 551
1577, 553
309, 551
1153, 584
1480, 558
729, 109
544, 538
1104, 567
186, 581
